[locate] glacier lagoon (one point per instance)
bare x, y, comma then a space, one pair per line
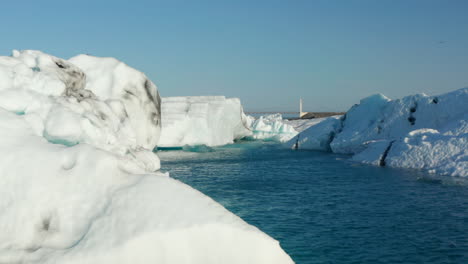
97, 120
324, 208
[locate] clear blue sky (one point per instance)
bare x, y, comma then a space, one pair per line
268, 53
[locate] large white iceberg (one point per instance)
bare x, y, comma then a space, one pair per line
79, 182
420, 131
216, 121
202, 120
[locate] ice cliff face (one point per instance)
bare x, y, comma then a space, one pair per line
202, 120
420, 131
79, 182
216, 121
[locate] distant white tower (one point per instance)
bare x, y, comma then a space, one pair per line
301, 114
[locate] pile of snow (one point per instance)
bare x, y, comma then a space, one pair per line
420, 131
271, 127
202, 120
96, 197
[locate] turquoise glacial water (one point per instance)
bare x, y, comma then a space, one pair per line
325, 209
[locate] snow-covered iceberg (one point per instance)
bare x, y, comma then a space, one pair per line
271, 127
90, 104
318, 136
419, 131
79, 182
202, 120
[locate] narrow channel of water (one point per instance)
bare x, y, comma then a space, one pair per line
325, 209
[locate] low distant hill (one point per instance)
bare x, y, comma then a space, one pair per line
311, 115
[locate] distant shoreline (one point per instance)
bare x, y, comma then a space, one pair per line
308, 115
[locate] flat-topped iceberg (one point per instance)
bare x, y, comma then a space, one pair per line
419, 131
80, 183
216, 121
202, 120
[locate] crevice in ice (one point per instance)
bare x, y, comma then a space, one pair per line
60, 65
296, 146
382, 162
412, 110
45, 224
154, 116
330, 140
342, 123
379, 126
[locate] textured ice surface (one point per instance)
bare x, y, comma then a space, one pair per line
84, 205
419, 131
271, 127
79, 181
317, 136
202, 120
110, 79
67, 104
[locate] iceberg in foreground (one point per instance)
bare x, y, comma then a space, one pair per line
79, 181
420, 131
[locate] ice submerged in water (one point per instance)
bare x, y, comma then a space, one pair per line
79, 180
419, 131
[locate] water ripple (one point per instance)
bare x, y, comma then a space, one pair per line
324, 210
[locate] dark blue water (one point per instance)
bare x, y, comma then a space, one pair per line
325, 209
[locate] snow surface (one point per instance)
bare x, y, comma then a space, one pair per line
419, 131
202, 120
80, 184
